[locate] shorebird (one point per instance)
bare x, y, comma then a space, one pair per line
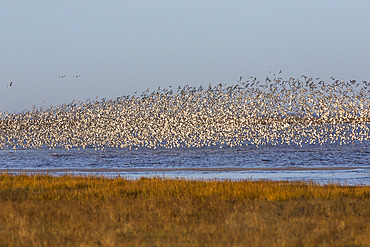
76, 76
275, 111
10, 84
62, 76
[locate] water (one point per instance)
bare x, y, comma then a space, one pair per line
328, 163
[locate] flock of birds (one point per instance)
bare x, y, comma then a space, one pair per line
271, 112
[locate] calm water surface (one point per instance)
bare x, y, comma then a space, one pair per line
345, 164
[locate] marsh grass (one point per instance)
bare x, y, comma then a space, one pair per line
42, 210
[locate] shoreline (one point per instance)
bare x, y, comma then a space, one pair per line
218, 169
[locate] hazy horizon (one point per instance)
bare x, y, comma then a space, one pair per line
119, 47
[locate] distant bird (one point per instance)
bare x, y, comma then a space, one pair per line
62, 76
76, 76
280, 72
10, 84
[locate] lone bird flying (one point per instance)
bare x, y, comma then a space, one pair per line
10, 84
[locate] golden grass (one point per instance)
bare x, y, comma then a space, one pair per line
42, 210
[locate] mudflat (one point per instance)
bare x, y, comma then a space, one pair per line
221, 169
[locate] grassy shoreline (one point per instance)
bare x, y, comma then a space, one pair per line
42, 210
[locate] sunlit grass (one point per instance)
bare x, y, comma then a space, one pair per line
41, 210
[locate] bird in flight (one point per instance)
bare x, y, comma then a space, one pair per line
62, 76
280, 72
76, 76
10, 84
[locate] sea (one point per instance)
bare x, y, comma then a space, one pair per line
327, 163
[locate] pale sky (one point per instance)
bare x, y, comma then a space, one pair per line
120, 47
